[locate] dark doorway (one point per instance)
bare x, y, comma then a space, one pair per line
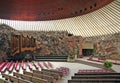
87, 52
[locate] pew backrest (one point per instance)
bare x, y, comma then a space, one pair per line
14, 79
5, 76
26, 77
28, 73
54, 71
24, 81
38, 80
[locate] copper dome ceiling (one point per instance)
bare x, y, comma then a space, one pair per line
39, 10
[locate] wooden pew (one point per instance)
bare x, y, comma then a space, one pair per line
55, 75
38, 80
94, 81
23, 65
95, 76
9, 64
10, 68
45, 64
24, 81
23, 76
50, 64
7, 77
26, 77
17, 66
3, 81
92, 73
41, 66
42, 76
14, 79
54, 71
1, 64
36, 65
28, 73
46, 77
18, 75
3, 68
30, 65
11, 78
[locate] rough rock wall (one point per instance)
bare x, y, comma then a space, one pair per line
55, 42
108, 45
47, 43
5, 32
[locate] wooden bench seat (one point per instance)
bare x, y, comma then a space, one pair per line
94, 81
26, 77
38, 80
17, 66
46, 77
23, 65
4, 67
17, 74
42, 76
23, 76
28, 73
55, 75
3, 81
11, 78
7, 77
54, 71
24, 81
10, 68
30, 78
92, 73
95, 76
30, 65
14, 79
36, 65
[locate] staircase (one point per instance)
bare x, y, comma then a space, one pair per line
57, 58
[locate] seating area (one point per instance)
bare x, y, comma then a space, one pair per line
64, 70
9, 66
95, 76
60, 58
102, 60
95, 71
35, 76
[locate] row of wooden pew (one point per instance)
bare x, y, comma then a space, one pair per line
36, 76
102, 60
95, 77
12, 65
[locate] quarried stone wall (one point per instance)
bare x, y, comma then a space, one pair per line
56, 42
106, 45
5, 32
